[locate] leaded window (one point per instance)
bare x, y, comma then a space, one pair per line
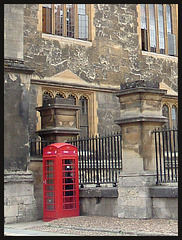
159, 30
67, 20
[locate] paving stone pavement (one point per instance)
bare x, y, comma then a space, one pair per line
94, 226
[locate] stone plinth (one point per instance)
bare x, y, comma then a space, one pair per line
134, 199
58, 120
19, 201
140, 114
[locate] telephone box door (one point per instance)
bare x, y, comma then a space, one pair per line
70, 185
49, 187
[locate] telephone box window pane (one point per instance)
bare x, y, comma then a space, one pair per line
49, 162
50, 188
50, 207
49, 169
69, 161
50, 181
49, 194
69, 206
50, 200
49, 175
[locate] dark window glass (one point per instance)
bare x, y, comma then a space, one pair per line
84, 117
143, 27
165, 113
47, 18
58, 8
161, 29
152, 28
70, 20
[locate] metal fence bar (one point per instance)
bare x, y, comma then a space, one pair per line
99, 157
174, 144
166, 147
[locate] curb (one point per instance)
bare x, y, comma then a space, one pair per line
136, 233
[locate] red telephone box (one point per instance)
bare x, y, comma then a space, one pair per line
60, 181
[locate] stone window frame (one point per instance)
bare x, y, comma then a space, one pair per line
174, 12
66, 92
170, 105
91, 29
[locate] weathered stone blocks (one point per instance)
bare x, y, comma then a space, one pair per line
134, 199
19, 201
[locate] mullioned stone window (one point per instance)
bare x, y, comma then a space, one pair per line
170, 111
67, 20
159, 28
79, 99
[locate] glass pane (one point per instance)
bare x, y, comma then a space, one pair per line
161, 29
70, 19
47, 18
50, 181
165, 113
49, 169
49, 162
82, 22
49, 194
82, 9
50, 188
169, 19
152, 28
143, 16
58, 8
49, 175
50, 200
174, 117
50, 207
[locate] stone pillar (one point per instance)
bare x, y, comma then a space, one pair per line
140, 113
58, 120
19, 201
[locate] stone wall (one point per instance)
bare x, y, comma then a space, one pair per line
19, 202
108, 111
113, 57
164, 201
99, 201
13, 31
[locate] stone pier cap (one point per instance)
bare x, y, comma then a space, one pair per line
140, 101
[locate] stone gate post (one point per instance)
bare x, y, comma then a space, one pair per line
140, 113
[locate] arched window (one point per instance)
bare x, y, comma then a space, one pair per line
84, 116
72, 98
59, 95
165, 113
174, 117
46, 95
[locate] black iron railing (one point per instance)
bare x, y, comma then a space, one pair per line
100, 159
36, 147
166, 147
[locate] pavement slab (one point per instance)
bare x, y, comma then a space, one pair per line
94, 226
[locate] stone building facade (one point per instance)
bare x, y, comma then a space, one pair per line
44, 60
